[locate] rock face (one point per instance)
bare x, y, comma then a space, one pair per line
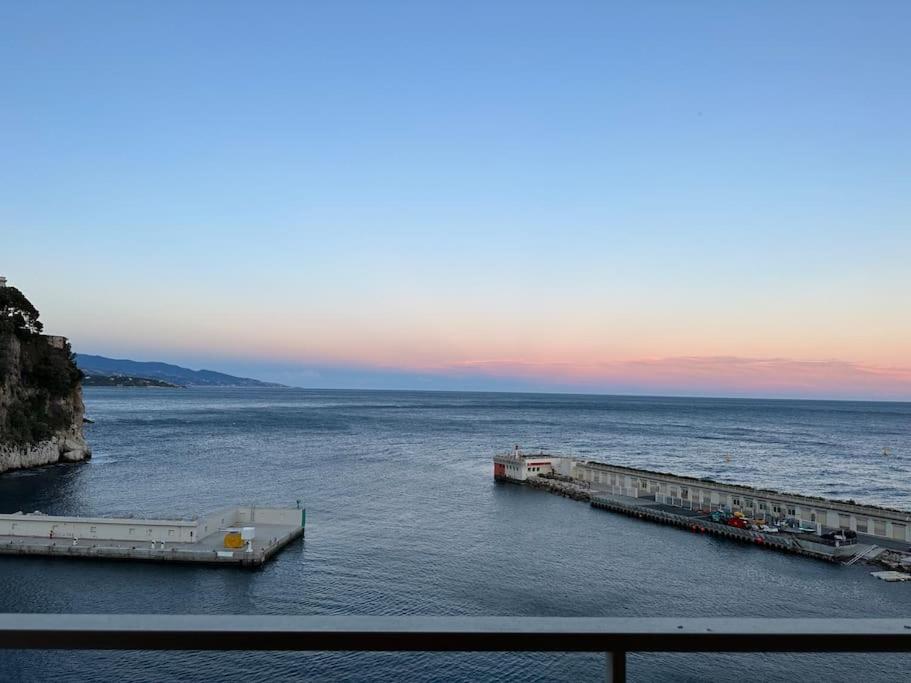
41, 406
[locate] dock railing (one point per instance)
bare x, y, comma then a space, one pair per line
613, 636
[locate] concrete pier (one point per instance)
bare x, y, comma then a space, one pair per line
656, 512
767, 519
199, 541
885, 527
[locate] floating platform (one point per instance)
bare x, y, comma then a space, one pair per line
246, 536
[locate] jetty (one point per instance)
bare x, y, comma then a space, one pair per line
242, 536
837, 531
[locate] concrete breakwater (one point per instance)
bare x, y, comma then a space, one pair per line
778, 541
834, 531
567, 489
634, 508
245, 536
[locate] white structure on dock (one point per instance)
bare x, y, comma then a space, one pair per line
519, 466
706, 495
206, 539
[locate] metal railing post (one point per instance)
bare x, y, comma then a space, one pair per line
615, 667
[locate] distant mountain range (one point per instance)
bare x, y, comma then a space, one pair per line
99, 366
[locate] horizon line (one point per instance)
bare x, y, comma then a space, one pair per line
528, 393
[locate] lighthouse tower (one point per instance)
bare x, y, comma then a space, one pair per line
2, 281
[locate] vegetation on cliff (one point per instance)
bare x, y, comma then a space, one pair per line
125, 381
17, 314
38, 379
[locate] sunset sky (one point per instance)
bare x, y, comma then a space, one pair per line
708, 198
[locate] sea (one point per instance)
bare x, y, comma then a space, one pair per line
404, 518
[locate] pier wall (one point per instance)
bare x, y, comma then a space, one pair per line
188, 541
145, 530
45, 526
220, 519
699, 494
258, 515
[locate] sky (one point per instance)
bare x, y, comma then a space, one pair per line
696, 198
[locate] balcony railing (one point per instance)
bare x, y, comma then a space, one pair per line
613, 636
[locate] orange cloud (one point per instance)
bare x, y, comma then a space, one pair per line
728, 374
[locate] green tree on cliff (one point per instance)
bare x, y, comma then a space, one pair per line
37, 378
18, 313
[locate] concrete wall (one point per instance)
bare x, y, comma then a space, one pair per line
220, 519
145, 530
280, 516
248, 516
695, 494
565, 467
138, 530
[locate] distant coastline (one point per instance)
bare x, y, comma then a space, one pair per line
115, 372
126, 381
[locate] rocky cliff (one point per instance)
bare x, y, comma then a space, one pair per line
41, 406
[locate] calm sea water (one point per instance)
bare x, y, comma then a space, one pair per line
404, 518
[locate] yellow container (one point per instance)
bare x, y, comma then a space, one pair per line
233, 540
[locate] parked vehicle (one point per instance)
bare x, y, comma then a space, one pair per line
740, 522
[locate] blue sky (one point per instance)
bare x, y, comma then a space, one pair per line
557, 195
